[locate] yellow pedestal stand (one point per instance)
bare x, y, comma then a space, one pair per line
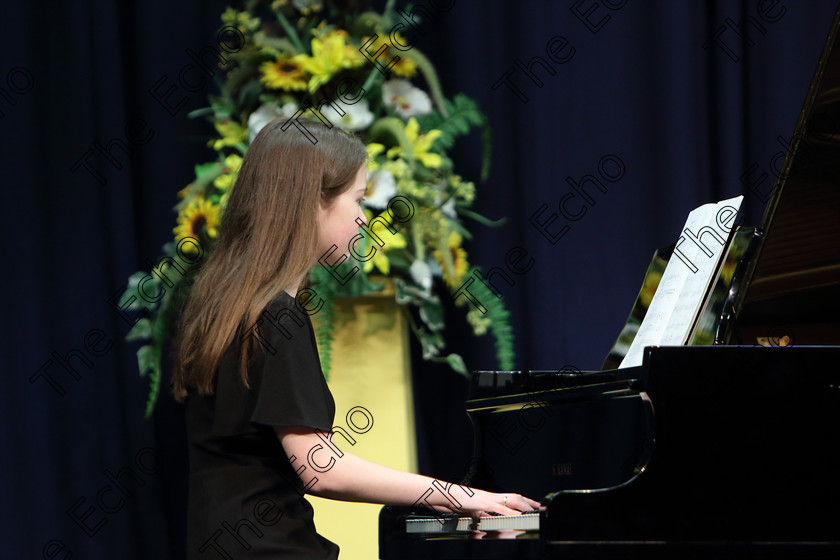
370, 369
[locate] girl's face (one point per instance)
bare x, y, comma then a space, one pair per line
337, 222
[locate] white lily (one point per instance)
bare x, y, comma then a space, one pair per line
383, 187
356, 116
407, 100
266, 113
448, 208
421, 274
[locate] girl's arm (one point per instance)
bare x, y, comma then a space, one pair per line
344, 476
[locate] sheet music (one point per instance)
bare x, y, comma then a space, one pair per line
687, 279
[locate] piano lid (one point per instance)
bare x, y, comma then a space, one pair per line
795, 279
786, 283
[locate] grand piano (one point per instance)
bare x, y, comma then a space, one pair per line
728, 447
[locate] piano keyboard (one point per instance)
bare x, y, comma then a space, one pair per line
522, 522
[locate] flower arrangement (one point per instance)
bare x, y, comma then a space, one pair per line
295, 55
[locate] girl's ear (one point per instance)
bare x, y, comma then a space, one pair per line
323, 203
323, 210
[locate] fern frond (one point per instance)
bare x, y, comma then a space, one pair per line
324, 320
463, 115
499, 317
325, 332
502, 333
154, 385
149, 357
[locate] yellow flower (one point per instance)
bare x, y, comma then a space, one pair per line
197, 215
228, 177
404, 67
373, 149
454, 263
318, 30
313, 7
284, 73
420, 144
232, 133
390, 241
242, 20
462, 189
399, 168
331, 53
478, 320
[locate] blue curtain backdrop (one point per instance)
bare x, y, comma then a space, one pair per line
641, 110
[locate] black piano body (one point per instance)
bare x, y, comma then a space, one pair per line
705, 452
744, 461
728, 448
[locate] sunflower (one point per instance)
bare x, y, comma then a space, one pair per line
198, 215
284, 73
454, 264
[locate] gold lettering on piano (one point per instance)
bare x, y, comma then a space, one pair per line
561, 469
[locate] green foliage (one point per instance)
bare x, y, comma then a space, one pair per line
462, 114
327, 289
324, 319
430, 311
431, 316
325, 332
456, 362
156, 329
499, 319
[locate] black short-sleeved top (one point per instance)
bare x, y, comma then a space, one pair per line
245, 499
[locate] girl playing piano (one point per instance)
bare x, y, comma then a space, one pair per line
259, 413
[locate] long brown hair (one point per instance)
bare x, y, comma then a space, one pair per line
267, 241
